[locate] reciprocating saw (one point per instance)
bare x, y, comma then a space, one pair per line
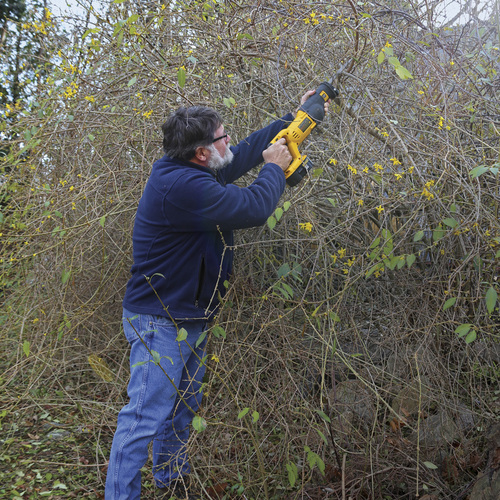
308, 116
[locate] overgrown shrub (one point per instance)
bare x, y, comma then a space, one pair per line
360, 318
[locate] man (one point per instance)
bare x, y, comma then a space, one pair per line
182, 250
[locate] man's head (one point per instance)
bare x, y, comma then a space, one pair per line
197, 134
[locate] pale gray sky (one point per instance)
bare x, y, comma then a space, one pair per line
449, 7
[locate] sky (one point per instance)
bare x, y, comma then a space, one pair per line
450, 7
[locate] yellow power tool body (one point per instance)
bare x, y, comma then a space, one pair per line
308, 116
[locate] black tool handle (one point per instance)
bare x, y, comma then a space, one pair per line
315, 105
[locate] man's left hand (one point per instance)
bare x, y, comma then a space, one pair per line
306, 96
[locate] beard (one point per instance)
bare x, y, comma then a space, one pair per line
216, 161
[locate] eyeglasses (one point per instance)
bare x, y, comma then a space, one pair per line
225, 136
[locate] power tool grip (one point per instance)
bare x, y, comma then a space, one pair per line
315, 105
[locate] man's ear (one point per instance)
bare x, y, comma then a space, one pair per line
200, 153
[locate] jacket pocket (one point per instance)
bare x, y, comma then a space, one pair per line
201, 279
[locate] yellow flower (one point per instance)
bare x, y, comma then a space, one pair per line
215, 358
395, 161
306, 226
398, 176
352, 169
427, 193
341, 252
380, 209
360, 203
378, 167
332, 161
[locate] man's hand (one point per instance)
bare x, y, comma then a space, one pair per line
278, 153
306, 96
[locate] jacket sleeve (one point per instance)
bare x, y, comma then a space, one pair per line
198, 202
248, 152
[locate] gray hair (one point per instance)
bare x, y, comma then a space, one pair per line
189, 128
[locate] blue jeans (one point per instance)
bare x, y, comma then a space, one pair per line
163, 400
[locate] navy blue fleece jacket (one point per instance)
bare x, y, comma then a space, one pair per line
183, 231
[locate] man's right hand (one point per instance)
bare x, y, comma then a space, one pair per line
278, 153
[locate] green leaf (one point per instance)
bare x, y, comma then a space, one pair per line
334, 317
89, 31
491, 299
132, 81
242, 413
463, 329
156, 357
229, 102
182, 335
410, 259
471, 337
26, 348
199, 423
278, 213
323, 415
286, 205
381, 57
201, 338
477, 171
430, 465
373, 269
240, 36
438, 233
322, 436
271, 222
394, 61
255, 416
218, 331
284, 270
65, 276
140, 363
133, 18
181, 77
450, 222
293, 473
102, 220
449, 303
403, 73
314, 459
288, 289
